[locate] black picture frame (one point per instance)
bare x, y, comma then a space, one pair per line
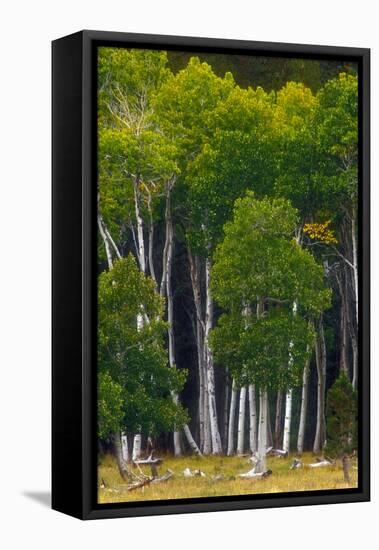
74, 206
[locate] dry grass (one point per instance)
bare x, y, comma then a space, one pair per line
282, 480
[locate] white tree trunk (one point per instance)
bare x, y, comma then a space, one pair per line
121, 463
215, 434
241, 422
253, 419
106, 241
151, 240
287, 422
232, 413
124, 446
136, 447
201, 403
356, 301
207, 421
204, 418
319, 440
170, 315
354, 346
140, 236
303, 410
355, 264
261, 465
191, 441
288, 409
225, 412
278, 419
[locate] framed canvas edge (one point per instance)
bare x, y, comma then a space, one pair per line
91, 510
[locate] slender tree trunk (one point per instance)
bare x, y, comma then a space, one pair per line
106, 241
261, 465
215, 434
137, 447
344, 364
207, 421
253, 419
278, 419
269, 427
344, 356
170, 312
287, 422
225, 412
232, 413
355, 264
151, 241
121, 463
241, 422
190, 440
204, 418
321, 379
346, 467
354, 345
125, 447
140, 236
201, 403
303, 410
288, 411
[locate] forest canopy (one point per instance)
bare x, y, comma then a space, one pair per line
227, 251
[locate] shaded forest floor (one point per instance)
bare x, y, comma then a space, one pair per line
282, 479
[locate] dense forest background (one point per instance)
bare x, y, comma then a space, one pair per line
189, 143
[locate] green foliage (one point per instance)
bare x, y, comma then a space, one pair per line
110, 405
133, 153
236, 157
260, 257
269, 351
250, 168
259, 262
133, 357
337, 123
341, 418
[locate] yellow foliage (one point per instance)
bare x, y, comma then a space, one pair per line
320, 232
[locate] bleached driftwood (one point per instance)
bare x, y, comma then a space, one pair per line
320, 463
252, 474
277, 452
187, 472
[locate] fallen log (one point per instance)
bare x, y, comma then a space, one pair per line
140, 484
252, 474
319, 464
168, 475
277, 452
147, 480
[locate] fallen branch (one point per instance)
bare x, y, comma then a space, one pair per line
252, 474
139, 484
277, 452
319, 464
152, 462
168, 475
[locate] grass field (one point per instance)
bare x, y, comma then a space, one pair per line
282, 480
